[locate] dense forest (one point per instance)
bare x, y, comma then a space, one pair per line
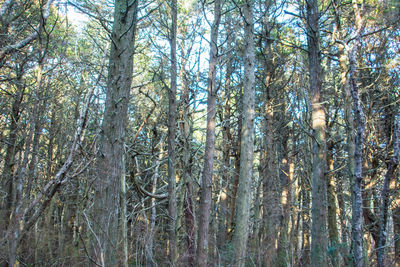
199, 133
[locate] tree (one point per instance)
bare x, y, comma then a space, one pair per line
107, 186
359, 123
206, 186
392, 165
171, 138
247, 140
319, 201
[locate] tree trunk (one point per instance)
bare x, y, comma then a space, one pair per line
359, 123
150, 236
306, 203
187, 161
235, 176
172, 113
350, 151
14, 222
189, 221
255, 245
206, 185
107, 187
385, 194
247, 141
271, 183
287, 175
319, 202
222, 236
227, 146
332, 219
396, 226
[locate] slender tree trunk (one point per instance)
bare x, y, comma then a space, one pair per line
172, 113
150, 236
247, 141
206, 185
255, 245
385, 194
343, 62
349, 128
222, 236
107, 187
227, 146
332, 219
269, 164
189, 221
359, 123
52, 136
14, 240
295, 205
396, 226
319, 244
287, 174
306, 209
306, 221
187, 134
235, 177
271, 183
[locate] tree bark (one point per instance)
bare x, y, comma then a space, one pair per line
270, 173
319, 199
107, 186
172, 113
287, 175
227, 144
349, 148
349, 130
206, 185
332, 219
187, 161
385, 194
247, 141
235, 176
226, 177
396, 226
306, 200
189, 222
359, 123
